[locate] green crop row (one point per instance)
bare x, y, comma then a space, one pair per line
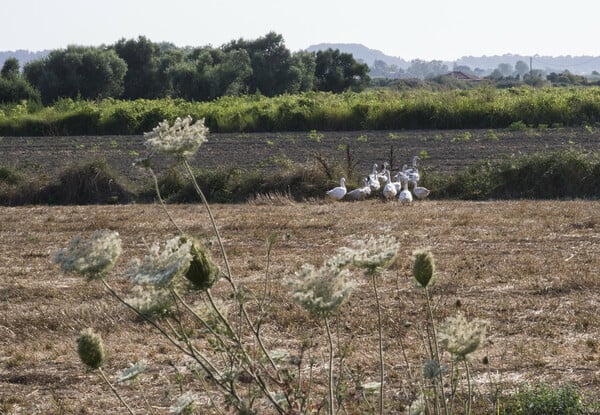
380, 109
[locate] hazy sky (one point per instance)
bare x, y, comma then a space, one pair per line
434, 29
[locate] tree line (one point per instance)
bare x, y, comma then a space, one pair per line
139, 68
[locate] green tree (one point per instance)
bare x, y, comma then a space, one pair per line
271, 62
380, 69
303, 71
338, 72
85, 72
521, 68
16, 90
426, 69
169, 58
10, 69
143, 59
13, 86
506, 69
232, 72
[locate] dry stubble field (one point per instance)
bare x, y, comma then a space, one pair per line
531, 268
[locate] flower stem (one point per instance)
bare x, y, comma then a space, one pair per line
112, 388
228, 276
470, 388
381, 362
330, 370
162, 202
437, 352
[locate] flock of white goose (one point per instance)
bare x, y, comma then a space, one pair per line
404, 187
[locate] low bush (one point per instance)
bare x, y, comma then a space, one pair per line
93, 182
548, 175
543, 399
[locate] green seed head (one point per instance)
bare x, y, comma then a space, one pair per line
423, 267
203, 272
90, 349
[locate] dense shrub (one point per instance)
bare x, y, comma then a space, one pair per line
555, 175
374, 109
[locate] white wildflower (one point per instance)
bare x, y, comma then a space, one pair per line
183, 403
162, 268
133, 372
322, 291
461, 337
93, 256
374, 254
151, 300
182, 139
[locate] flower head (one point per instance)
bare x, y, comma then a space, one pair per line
461, 337
423, 267
322, 291
90, 349
151, 300
182, 139
432, 369
374, 254
203, 272
162, 269
93, 256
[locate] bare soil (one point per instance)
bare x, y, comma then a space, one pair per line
447, 151
531, 268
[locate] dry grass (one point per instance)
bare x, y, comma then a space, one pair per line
530, 268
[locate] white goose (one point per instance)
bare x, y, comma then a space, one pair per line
337, 193
383, 174
400, 177
374, 179
360, 193
413, 172
405, 196
420, 192
389, 190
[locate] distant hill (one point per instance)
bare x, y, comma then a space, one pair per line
574, 64
23, 56
361, 53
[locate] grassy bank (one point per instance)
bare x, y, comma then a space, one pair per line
563, 174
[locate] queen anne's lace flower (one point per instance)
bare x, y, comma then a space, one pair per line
151, 300
461, 337
162, 268
90, 348
374, 254
423, 267
93, 256
322, 291
182, 139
